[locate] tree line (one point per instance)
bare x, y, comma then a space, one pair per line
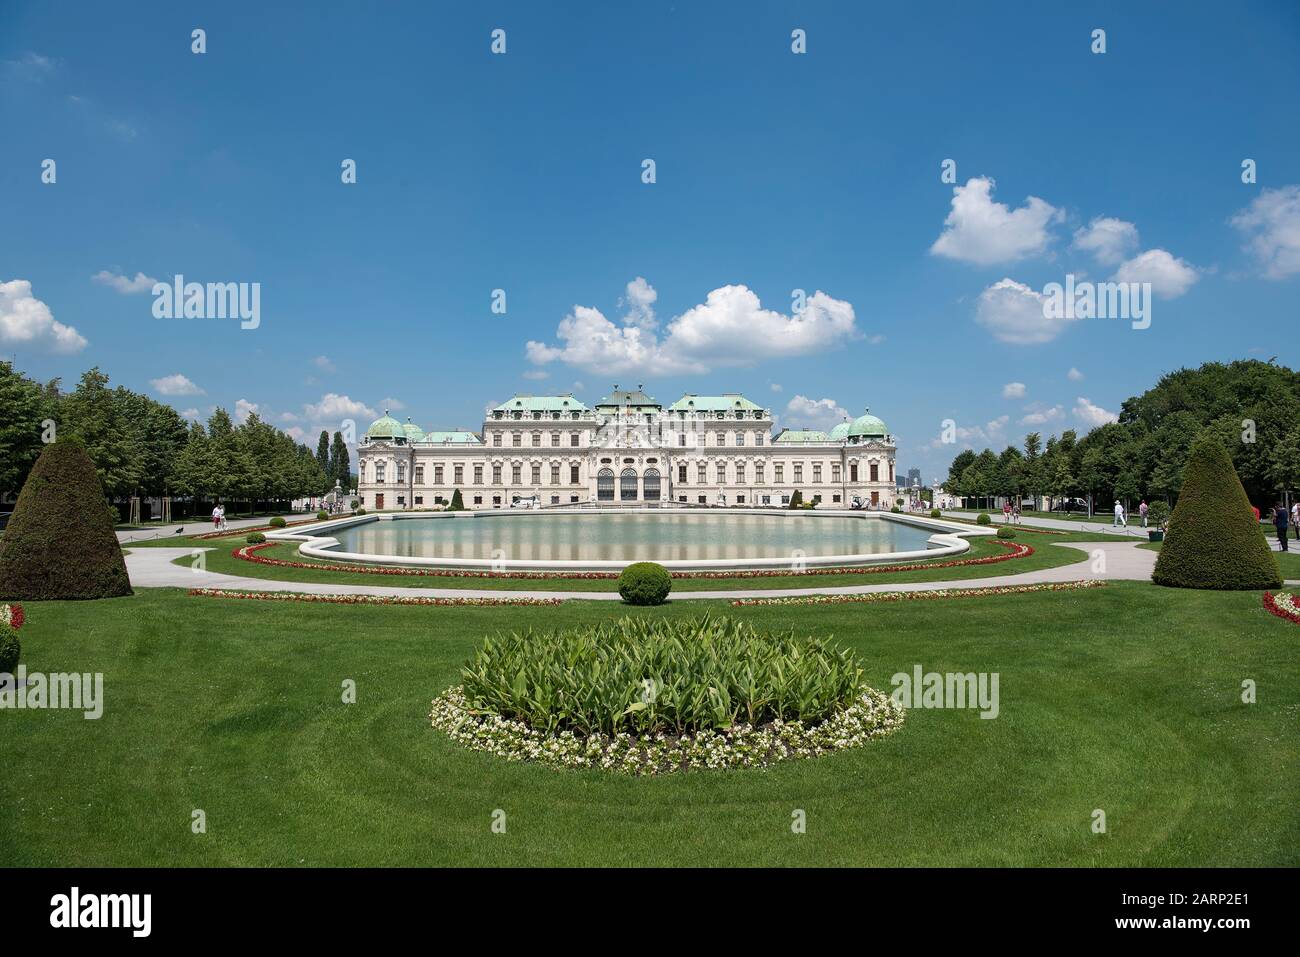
1251, 407
142, 447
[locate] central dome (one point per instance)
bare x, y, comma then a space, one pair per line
868, 426
386, 427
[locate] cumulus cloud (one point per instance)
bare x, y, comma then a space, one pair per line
981, 231
729, 328
639, 300
1106, 239
1169, 276
175, 384
992, 433
124, 284
393, 405
1271, 228
1092, 414
334, 407
26, 321
324, 363
1074, 375
243, 409
1014, 313
822, 414
1013, 390
1043, 416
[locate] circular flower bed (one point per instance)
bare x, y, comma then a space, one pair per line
1283, 604
652, 696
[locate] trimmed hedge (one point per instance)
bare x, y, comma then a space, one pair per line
983, 519
645, 583
1213, 539
277, 522
935, 513
255, 538
10, 649
322, 515
1006, 531
60, 542
457, 503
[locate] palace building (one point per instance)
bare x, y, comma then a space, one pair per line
553, 450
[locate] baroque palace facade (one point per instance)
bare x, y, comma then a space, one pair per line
553, 450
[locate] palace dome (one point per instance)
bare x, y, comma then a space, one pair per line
386, 427
840, 432
867, 426
413, 432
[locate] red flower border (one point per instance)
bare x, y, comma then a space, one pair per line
935, 594
365, 599
1272, 607
16, 616
248, 553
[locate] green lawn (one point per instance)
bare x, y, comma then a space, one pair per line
1124, 698
1046, 555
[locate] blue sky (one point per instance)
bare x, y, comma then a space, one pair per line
774, 171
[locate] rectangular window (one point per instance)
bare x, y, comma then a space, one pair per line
758, 438
496, 439
555, 440
379, 471
681, 439
798, 473
437, 475
573, 475
517, 439
536, 474
875, 472
496, 475
573, 439
835, 472
478, 475
702, 474
853, 471
555, 474
704, 500
740, 438
419, 500
537, 440
419, 475
516, 474
780, 472
758, 472
740, 473
401, 471
459, 473
722, 473
740, 500
496, 499
817, 472
478, 499
681, 475
401, 500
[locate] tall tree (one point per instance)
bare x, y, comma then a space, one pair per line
323, 452
340, 469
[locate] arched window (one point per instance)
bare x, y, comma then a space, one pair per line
605, 485
627, 485
651, 485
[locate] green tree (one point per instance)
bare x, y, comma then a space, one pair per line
22, 410
340, 469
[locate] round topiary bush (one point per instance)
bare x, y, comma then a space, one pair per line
645, 583
983, 519
895, 508
322, 515
1213, 539
935, 513
255, 538
9, 649
60, 543
651, 695
361, 511
1006, 531
277, 522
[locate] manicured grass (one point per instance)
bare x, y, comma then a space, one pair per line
1124, 698
1046, 555
1288, 562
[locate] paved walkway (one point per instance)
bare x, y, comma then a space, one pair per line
153, 568
1100, 523
197, 525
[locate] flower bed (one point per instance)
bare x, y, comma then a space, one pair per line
932, 594
248, 553
366, 599
1283, 604
12, 615
874, 715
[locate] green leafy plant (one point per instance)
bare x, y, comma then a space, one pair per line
278, 522
935, 513
255, 538
322, 515
895, 508
1006, 531
10, 648
983, 519
1158, 513
361, 511
645, 583
653, 675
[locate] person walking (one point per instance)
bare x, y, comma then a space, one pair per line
1279, 522
1120, 517
216, 518
1295, 518
1142, 510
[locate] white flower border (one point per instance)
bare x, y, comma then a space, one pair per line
873, 715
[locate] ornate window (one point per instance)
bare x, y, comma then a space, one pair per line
627, 485
605, 485
651, 485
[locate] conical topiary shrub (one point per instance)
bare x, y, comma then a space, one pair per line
1214, 540
60, 542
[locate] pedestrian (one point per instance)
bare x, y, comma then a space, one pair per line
1295, 518
1120, 517
1143, 510
1006, 512
1015, 513
1279, 522
216, 517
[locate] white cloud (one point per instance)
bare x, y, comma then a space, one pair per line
324, 364
31, 67
729, 328
334, 407
640, 300
1043, 416
822, 414
1169, 276
1014, 313
875, 340
1108, 240
124, 284
288, 417
1091, 414
1271, 226
1074, 375
243, 409
1013, 390
393, 405
775, 387
26, 321
990, 434
536, 374
981, 231
296, 433
190, 414
175, 384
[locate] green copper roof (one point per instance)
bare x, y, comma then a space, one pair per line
413, 432
622, 398
868, 425
802, 435
541, 403
386, 427
453, 437
840, 432
727, 402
